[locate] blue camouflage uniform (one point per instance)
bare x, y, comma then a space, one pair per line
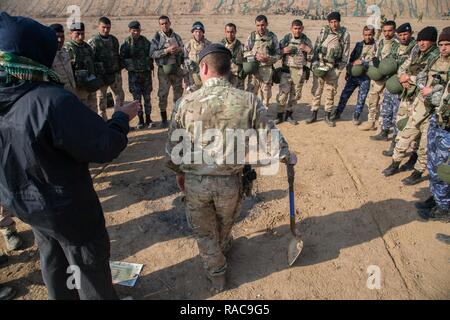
363, 82
391, 102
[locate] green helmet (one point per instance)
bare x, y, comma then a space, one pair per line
170, 69
320, 72
393, 85
358, 70
250, 67
276, 76
374, 74
443, 172
388, 67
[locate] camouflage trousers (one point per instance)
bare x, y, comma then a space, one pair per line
117, 90
140, 86
88, 98
6, 220
375, 92
165, 82
413, 136
261, 83
213, 204
352, 83
391, 103
326, 85
237, 82
291, 85
438, 153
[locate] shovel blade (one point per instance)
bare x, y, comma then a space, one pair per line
294, 250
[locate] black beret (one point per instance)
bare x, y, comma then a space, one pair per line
134, 25
57, 27
406, 27
428, 33
213, 48
77, 26
334, 16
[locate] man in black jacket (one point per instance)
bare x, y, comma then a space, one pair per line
47, 140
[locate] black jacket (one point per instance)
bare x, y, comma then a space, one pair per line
47, 139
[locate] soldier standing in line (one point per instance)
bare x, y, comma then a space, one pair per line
198, 42
135, 56
237, 55
167, 50
82, 60
331, 54
296, 49
107, 64
61, 64
263, 49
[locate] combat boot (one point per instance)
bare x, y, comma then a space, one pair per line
392, 169
3, 258
141, 122
164, 122
336, 114
368, 126
427, 204
7, 293
148, 121
217, 283
355, 119
280, 118
12, 239
328, 120
313, 117
435, 213
409, 165
414, 178
289, 118
390, 151
383, 135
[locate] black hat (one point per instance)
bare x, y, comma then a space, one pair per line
428, 33
134, 25
445, 34
406, 27
58, 28
334, 16
212, 48
77, 26
198, 26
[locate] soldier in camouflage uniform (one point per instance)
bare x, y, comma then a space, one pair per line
423, 69
167, 50
214, 189
362, 55
192, 49
61, 64
377, 87
262, 46
135, 56
107, 65
296, 50
400, 51
237, 55
331, 53
82, 60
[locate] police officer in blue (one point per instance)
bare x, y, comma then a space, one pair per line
362, 54
437, 207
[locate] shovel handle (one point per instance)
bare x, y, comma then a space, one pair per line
291, 177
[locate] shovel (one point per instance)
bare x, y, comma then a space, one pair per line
296, 244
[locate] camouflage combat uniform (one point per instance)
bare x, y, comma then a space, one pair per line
267, 45
82, 59
333, 50
237, 57
62, 66
161, 42
294, 75
413, 109
108, 69
135, 56
214, 191
191, 73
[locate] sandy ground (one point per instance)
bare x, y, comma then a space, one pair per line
351, 217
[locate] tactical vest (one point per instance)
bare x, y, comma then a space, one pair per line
381, 48
443, 112
195, 48
401, 52
136, 54
106, 54
237, 55
164, 44
421, 61
265, 45
81, 55
297, 58
336, 55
